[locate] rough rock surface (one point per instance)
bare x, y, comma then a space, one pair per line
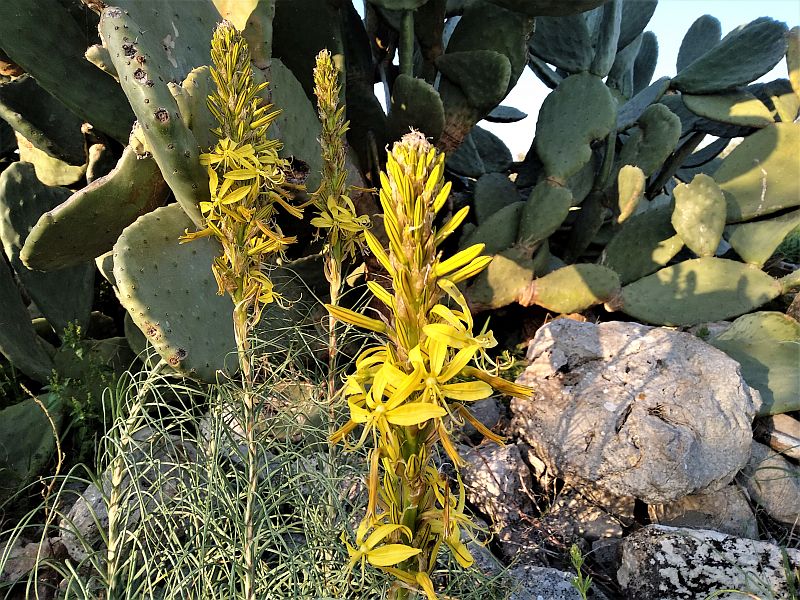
635, 410
668, 563
544, 583
496, 479
773, 483
781, 433
726, 510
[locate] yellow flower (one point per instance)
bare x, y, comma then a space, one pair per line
367, 547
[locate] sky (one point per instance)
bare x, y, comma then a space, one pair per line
670, 22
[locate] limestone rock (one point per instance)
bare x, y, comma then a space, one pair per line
671, 563
781, 433
638, 411
496, 479
726, 510
773, 483
545, 583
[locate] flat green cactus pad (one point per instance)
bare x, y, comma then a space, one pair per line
171, 295
564, 42
573, 288
89, 221
482, 75
493, 192
547, 207
49, 169
703, 35
698, 291
655, 139
563, 144
699, 215
552, 8
645, 243
757, 175
18, 340
630, 185
416, 104
499, 231
503, 281
738, 108
742, 56
767, 345
23, 457
755, 242
64, 295
645, 64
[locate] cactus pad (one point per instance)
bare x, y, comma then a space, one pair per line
698, 291
564, 42
64, 295
493, 192
482, 75
757, 241
499, 231
754, 175
143, 69
742, 56
18, 340
699, 215
703, 35
171, 295
563, 145
630, 186
645, 243
573, 288
502, 282
737, 108
632, 110
645, 64
655, 139
416, 104
767, 346
547, 207
104, 207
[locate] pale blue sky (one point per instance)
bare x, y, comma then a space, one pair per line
670, 22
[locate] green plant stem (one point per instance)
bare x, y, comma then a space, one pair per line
242, 347
407, 44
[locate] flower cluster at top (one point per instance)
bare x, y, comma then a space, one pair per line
409, 391
246, 178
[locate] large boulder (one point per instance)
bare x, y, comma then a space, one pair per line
773, 483
671, 563
634, 410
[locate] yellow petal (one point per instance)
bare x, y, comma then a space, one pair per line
236, 195
381, 293
378, 251
384, 531
241, 174
460, 551
472, 269
414, 413
467, 391
500, 384
482, 429
353, 318
451, 225
409, 384
391, 554
459, 260
447, 334
426, 584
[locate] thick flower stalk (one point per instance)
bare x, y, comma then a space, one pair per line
339, 224
407, 393
248, 187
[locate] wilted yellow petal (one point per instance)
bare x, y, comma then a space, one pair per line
426, 584
414, 413
460, 551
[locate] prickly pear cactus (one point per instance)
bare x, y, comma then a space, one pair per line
170, 293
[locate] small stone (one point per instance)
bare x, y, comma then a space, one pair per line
773, 483
781, 433
545, 583
726, 510
668, 563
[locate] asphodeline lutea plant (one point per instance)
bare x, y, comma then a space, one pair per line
247, 182
338, 223
408, 392
248, 187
